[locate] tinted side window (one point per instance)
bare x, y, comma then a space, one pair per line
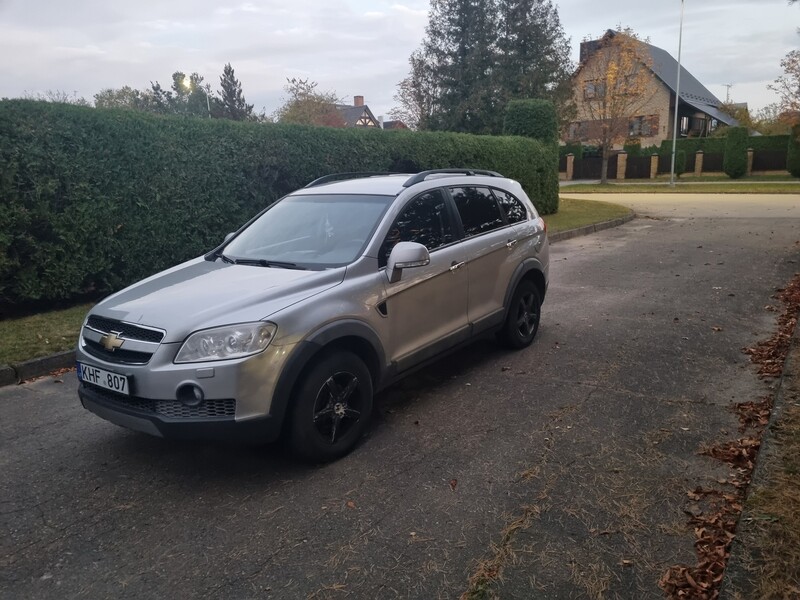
424, 220
478, 209
512, 207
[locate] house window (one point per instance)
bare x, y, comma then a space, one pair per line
642, 126
578, 130
594, 89
684, 126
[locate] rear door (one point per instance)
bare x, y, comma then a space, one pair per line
490, 241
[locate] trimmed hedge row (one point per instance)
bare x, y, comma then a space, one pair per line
716, 145
534, 118
94, 199
793, 155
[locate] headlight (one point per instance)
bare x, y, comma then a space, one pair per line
222, 343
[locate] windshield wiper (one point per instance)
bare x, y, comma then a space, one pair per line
226, 259
262, 262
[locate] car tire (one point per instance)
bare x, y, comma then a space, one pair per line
332, 405
522, 319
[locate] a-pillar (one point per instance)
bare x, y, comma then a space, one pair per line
622, 164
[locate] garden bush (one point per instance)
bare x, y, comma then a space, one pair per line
735, 162
532, 118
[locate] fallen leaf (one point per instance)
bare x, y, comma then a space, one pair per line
453, 484
351, 504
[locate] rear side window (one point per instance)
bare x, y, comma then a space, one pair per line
512, 207
478, 209
424, 220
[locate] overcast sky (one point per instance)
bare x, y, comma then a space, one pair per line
349, 46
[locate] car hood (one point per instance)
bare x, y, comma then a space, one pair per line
200, 294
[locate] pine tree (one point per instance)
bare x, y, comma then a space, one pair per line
459, 48
480, 54
533, 53
231, 101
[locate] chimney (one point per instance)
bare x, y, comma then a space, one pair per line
358, 100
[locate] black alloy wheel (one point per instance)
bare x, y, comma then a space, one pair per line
332, 407
522, 320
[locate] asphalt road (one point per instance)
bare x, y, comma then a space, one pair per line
565, 466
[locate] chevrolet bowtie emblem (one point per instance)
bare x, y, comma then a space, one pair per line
111, 341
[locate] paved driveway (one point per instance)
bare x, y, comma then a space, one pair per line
566, 465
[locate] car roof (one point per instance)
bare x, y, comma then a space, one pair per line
382, 185
393, 184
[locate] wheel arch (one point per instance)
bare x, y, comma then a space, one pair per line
532, 271
351, 335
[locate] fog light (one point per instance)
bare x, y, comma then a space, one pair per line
190, 395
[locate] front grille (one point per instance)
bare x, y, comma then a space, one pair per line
120, 355
172, 409
126, 330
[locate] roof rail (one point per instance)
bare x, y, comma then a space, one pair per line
422, 176
353, 175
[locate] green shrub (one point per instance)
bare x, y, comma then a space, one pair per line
793, 154
531, 118
576, 149
680, 162
735, 162
93, 200
633, 148
716, 145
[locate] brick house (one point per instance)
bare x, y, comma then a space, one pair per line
699, 111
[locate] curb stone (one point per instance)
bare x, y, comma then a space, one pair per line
8, 376
17, 372
589, 229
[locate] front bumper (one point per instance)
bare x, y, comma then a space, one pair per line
154, 417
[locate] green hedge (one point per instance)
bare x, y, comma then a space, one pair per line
575, 149
534, 118
735, 162
716, 145
94, 199
793, 154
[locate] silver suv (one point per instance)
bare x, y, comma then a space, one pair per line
329, 294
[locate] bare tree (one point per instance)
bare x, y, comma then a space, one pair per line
613, 85
787, 86
307, 106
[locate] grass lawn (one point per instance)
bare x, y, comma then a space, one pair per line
573, 213
40, 335
748, 187
775, 506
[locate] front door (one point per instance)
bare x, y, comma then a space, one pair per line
427, 308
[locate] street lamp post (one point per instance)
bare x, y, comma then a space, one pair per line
677, 103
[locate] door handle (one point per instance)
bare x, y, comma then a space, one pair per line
456, 265
511, 244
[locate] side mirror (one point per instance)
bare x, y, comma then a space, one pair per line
406, 255
229, 236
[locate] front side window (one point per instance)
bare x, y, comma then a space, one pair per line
425, 220
478, 209
313, 231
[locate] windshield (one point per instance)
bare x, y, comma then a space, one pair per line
314, 231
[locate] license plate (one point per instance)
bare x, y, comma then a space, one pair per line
104, 379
